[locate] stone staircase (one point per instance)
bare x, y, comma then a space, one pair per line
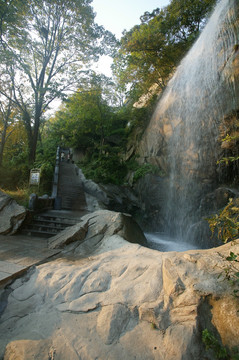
48, 224
72, 205
70, 189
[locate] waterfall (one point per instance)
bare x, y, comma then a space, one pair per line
186, 125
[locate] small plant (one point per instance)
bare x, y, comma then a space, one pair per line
220, 351
226, 223
232, 273
20, 195
213, 344
153, 325
143, 170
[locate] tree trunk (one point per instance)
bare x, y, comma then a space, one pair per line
3, 141
27, 122
33, 145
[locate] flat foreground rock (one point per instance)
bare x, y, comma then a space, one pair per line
120, 301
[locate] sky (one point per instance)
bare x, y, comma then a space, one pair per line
119, 15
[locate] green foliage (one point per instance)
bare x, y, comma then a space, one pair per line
149, 52
46, 157
20, 195
226, 223
226, 226
219, 351
230, 139
47, 171
212, 343
231, 272
229, 161
139, 117
14, 171
153, 326
12, 15
87, 119
57, 40
107, 168
144, 169
88, 123
50, 62
11, 178
232, 257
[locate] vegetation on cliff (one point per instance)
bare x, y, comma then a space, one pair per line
150, 52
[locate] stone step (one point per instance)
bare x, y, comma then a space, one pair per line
39, 233
72, 206
70, 188
47, 225
55, 221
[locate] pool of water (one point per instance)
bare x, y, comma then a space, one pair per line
163, 242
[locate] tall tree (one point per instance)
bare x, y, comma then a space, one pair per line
58, 40
7, 114
86, 117
12, 18
149, 52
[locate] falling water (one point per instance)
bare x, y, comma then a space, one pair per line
188, 116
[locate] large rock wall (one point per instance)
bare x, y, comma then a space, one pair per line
187, 95
198, 108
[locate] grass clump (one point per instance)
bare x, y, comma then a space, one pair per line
20, 195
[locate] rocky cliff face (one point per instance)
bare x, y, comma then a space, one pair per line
106, 298
198, 108
187, 96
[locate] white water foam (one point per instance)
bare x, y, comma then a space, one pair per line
158, 241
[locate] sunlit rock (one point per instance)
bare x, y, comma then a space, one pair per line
11, 214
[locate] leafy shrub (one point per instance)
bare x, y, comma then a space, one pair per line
212, 343
220, 351
12, 178
20, 195
226, 223
144, 169
105, 169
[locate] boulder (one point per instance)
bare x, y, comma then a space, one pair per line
69, 235
95, 226
11, 215
110, 196
120, 301
216, 200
